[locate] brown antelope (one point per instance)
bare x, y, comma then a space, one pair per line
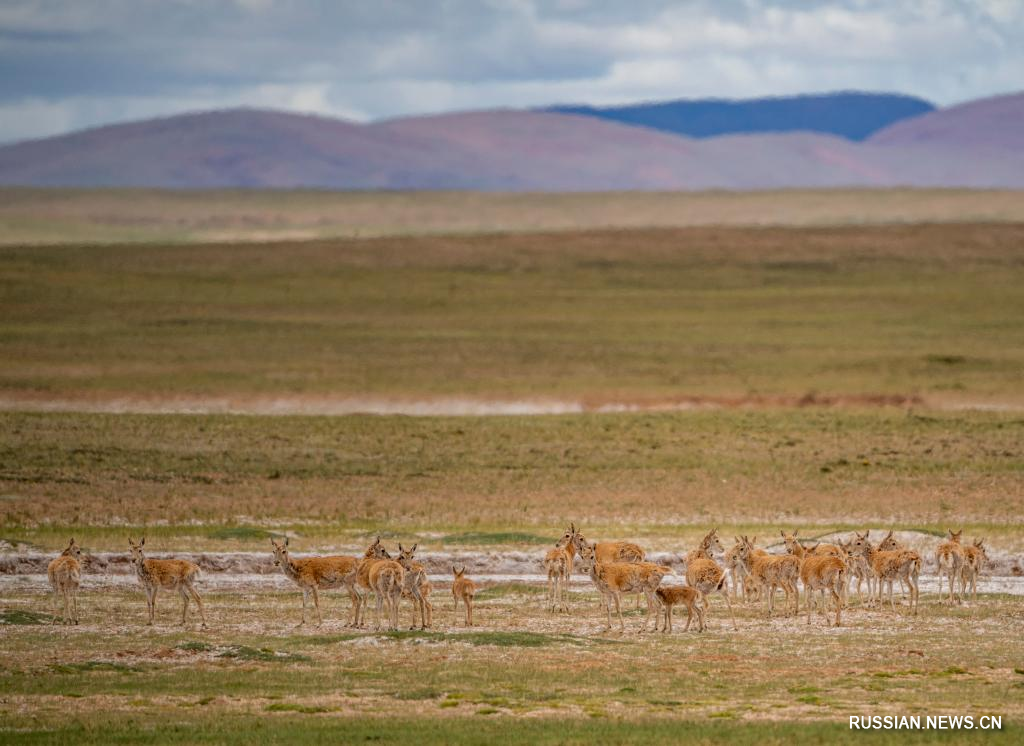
890, 566
949, 557
613, 579
802, 553
673, 595
65, 573
738, 571
889, 544
610, 551
704, 574
377, 573
821, 572
315, 574
558, 565
770, 572
154, 574
570, 547
858, 567
416, 587
464, 588
975, 558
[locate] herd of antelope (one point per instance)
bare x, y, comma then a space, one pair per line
746, 573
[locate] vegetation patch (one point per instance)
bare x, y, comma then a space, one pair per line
293, 707
246, 653
24, 616
89, 666
498, 537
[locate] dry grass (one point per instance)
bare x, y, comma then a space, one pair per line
40, 216
521, 663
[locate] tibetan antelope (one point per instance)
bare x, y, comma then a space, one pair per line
823, 572
154, 574
65, 572
949, 557
558, 565
673, 595
464, 588
802, 553
704, 574
889, 567
858, 567
975, 558
613, 579
772, 571
738, 574
416, 587
314, 574
377, 573
610, 551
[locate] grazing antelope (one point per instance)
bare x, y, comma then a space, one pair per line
611, 551
673, 595
704, 574
613, 579
377, 573
949, 557
464, 588
155, 574
416, 587
890, 566
770, 572
558, 565
975, 558
65, 572
314, 574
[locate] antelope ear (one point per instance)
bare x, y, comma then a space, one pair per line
782, 534
143, 542
414, 547
454, 571
753, 541
400, 547
286, 541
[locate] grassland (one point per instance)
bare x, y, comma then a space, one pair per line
928, 311
112, 680
223, 481
55, 216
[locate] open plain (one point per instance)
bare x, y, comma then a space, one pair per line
647, 381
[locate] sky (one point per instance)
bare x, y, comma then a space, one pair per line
69, 64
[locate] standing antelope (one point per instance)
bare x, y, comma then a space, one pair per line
155, 574
890, 566
770, 572
610, 551
416, 587
314, 574
821, 572
975, 558
558, 565
65, 572
949, 558
613, 579
704, 574
859, 568
802, 553
674, 595
464, 588
377, 573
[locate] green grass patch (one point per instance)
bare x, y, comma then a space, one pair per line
241, 533
293, 707
263, 655
497, 537
24, 616
90, 666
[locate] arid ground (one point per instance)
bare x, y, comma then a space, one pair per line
859, 364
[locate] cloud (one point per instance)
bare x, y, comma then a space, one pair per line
75, 63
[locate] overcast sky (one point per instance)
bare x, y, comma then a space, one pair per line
66, 64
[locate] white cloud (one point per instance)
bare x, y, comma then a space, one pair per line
74, 64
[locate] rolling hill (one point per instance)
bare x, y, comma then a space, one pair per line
851, 115
973, 145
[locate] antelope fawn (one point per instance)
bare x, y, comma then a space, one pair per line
416, 587
558, 564
613, 579
464, 588
889, 566
377, 573
65, 572
949, 557
673, 595
704, 574
314, 574
975, 558
770, 572
172, 574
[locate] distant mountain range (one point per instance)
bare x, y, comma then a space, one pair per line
978, 144
851, 115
